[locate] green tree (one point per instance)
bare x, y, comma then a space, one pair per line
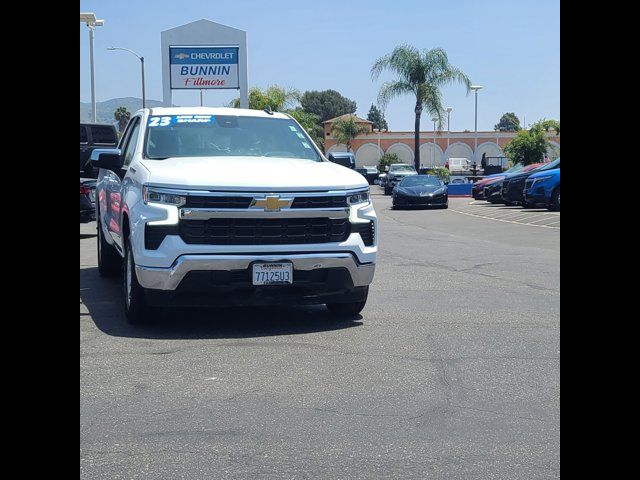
421, 74
275, 97
122, 115
345, 130
386, 160
548, 125
326, 104
311, 123
509, 122
529, 146
377, 117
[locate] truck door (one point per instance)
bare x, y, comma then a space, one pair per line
113, 183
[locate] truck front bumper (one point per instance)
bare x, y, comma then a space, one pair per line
170, 278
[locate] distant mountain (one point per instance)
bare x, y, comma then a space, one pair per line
105, 110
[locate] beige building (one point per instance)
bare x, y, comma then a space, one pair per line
435, 147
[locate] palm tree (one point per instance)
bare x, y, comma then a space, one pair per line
122, 115
275, 97
421, 74
346, 130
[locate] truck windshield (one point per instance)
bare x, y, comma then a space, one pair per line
226, 135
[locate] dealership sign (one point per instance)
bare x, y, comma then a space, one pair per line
204, 67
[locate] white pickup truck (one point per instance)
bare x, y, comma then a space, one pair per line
220, 206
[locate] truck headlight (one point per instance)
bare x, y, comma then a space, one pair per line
152, 195
358, 198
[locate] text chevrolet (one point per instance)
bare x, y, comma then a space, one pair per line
220, 206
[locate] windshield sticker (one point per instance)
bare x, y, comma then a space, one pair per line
300, 135
293, 129
306, 145
170, 120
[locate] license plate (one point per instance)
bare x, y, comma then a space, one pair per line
279, 273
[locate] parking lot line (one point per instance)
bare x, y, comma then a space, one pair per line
501, 220
550, 220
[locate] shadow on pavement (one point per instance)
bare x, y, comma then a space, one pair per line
103, 298
87, 235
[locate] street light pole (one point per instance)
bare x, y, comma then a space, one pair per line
379, 154
475, 141
141, 58
449, 125
93, 73
89, 18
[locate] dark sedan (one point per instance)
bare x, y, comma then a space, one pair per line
87, 200
492, 191
513, 185
421, 191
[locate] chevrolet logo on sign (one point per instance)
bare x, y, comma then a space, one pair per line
271, 203
182, 56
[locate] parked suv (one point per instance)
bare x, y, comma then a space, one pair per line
93, 136
225, 206
397, 171
513, 185
346, 159
543, 188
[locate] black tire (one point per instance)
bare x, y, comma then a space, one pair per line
527, 205
444, 207
109, 262
387, 191
135, 305
351, 308
555, 200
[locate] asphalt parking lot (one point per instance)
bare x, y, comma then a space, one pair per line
535, 217
451, 371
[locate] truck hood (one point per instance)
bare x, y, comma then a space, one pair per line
255, 174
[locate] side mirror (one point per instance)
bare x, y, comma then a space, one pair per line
107, 158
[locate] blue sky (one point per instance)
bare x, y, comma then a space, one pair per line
512, 48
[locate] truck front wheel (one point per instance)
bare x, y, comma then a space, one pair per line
135, 305
349, 308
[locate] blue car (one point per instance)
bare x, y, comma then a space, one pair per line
543, 188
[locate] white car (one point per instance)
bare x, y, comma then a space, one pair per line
222, 206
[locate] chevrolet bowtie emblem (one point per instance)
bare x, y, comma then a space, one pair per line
271, 203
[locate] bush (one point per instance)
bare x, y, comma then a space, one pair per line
387, 159
440, 172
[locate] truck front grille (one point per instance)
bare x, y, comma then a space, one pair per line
204, 201
330, 201
211, 201
262, 231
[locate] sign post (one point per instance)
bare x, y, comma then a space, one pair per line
204, 55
